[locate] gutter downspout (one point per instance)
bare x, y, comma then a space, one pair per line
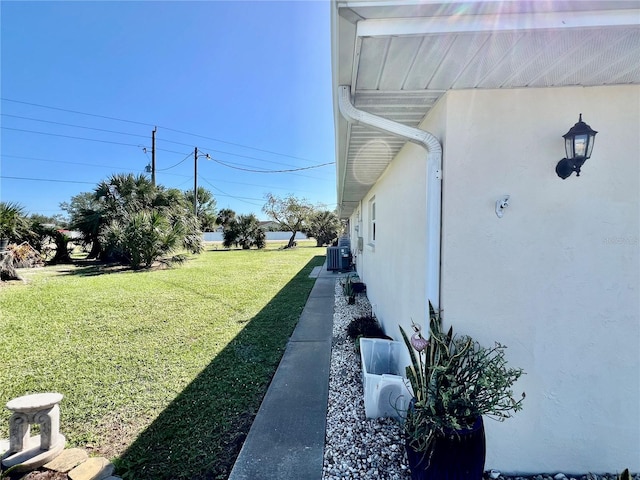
434, 182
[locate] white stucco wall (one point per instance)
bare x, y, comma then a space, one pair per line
394, 267
391, 267
557, 278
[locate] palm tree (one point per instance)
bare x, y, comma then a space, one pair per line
246, 232
126, 202
12, 218
225, 217
146, 236
324, 226
205, 208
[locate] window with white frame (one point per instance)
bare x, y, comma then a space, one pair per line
372, 221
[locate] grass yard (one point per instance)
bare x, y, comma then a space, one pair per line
162, 370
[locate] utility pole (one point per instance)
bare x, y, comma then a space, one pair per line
195, 182
153, 156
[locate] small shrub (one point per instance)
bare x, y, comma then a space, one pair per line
365, 326
351, 285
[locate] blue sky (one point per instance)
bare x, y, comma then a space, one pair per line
247, 82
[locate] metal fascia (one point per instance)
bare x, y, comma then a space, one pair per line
497, 23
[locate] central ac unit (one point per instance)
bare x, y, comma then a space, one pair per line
334, 258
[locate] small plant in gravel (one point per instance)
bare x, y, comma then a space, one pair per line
365, 326
348, 289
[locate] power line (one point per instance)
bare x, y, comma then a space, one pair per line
170, 151
242, 199
128, 169
22, 157
237, 144
138, 135
46, 180
152, 125
72, 125
271, 171
72, 137
63, 161
173, 166
74, 111
228, 153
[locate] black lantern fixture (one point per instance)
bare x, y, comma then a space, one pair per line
578, 144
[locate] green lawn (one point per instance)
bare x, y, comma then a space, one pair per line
161, 370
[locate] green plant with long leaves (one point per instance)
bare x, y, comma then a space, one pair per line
454, 380
244, 231
347, 287
12, 218
146, 237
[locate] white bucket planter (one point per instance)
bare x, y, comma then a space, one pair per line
385, 392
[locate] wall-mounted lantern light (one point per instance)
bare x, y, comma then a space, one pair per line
578, 144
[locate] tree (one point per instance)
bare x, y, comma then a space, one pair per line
145, 237
290, 212
205, 208
86, 215
82, 201
57, 220
245, 231
61, 240
12, 221
126, 202
225, 217
324, 226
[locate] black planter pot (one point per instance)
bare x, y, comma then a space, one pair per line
459, 455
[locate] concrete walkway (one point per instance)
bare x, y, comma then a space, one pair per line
286, 440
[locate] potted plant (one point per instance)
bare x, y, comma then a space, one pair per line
455, 381
10, 219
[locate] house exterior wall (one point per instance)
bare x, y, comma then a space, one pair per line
390, 266
393, 268
556, 279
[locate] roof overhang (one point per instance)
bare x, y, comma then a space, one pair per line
400, 57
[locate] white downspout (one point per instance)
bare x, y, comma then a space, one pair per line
434, 181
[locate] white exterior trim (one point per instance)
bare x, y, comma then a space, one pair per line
497, 23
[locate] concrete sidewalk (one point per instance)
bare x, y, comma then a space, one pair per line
286, 440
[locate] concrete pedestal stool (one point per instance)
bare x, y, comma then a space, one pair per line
27, 452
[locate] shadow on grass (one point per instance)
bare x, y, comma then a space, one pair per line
200, 433
90, 268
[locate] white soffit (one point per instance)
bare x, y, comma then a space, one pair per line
401, 56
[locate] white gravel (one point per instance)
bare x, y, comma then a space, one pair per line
356, 447
360, 448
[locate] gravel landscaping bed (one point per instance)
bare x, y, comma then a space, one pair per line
360, 448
